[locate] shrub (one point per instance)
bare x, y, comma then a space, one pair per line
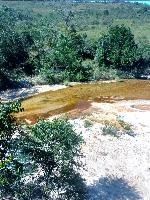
127, 128
104, 73
14, 46
117, 49
109, 129
63, 60
55, 148
10, 166
52, 148
14, 52
123, 124
87, 124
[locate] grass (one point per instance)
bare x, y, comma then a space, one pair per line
109, 129
123, 124
90, 18
139, 31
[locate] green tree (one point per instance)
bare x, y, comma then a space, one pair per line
51, 148
10, 166
63, 59
14, 51
54, 148
117, 49
14, 46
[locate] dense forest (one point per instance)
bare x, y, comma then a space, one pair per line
49, 42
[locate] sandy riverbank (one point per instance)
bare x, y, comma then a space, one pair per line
117, 168
20, 93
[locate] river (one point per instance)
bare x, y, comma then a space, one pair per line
80, 96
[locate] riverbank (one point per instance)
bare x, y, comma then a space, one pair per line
116, 167
21, 93
116, 149
117, 160
24, 92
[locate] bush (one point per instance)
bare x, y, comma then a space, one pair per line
63, 60
123, 124
10, 166
109, 129
100, 73
117, 49
87, 124
55, 148
51, 148
127, 128
14, 54
14, 46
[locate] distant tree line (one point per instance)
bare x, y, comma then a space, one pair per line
29, 46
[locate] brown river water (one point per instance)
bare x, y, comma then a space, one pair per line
79, 97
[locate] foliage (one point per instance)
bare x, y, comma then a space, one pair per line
49, 149
144, 61
14, 46
103, 73
10, 167
87, 124
54, 148
117, 49
63, 59
56, 40
14, 51
109, 129
123, 124
127, 128
100, 73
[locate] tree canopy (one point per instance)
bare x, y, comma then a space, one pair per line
117, 49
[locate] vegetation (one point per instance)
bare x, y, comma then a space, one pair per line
10, 166
39, 161
14, 47
63, 60
117, 49
109, 129
87, 123
116, 130
55, 42
127, 128
83, 42
123, 124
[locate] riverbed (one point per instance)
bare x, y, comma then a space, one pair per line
80, 97
116, 168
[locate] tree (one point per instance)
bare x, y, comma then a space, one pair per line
63, 60
54, 148
117, 49
14, 51
14, 46
51, 148
10, 166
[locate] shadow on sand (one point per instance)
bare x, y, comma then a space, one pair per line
112, 189
15, 94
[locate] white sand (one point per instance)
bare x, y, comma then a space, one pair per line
117, 168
